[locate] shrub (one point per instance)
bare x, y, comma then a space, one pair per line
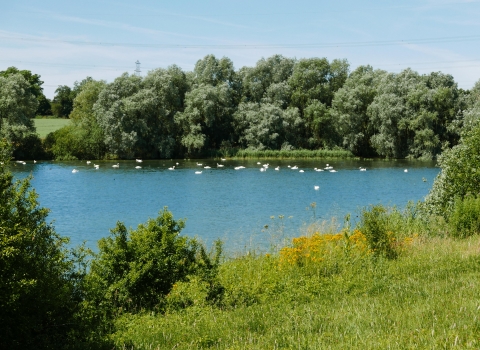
375, 225
134, 270
38, 289
464, 220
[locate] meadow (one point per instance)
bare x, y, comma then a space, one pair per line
328, 290
46, 126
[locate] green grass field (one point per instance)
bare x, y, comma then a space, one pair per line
427, 298
46, 126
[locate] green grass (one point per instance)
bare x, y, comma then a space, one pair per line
279, 154
46, 126
427, 298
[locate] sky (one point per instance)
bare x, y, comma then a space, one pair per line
66, 41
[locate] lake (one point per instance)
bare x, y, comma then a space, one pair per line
236, 206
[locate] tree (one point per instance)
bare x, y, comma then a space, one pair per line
38, 294
349, 110
267, 126
213, 71
62, 104
17, 103
206, 120
119, 127
316, 79
36, 89
256, 80
459, 175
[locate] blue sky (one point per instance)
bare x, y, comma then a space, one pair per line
65, 41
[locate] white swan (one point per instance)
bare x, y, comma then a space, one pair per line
277, 168
239, 167
220, 165
199, 164
363, 169
405, 171
222, 159
333, 171
116, 165
138, 167
172, 168
206, 167
316, 188
198, 172
258, 163
301, 171
294, 167
88, 162
265, 165
74, 171
263, 169
138, 160
34, 161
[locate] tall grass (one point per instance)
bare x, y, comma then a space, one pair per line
280, 154
331, 291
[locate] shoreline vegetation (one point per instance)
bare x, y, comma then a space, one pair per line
277, 106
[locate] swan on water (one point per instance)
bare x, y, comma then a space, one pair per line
263, 169
363, 169
116, 165
405, 171
88, 162
316, 188
206, 167
333, 171
34, 161
222, 159
220, 165
301, 171
294, 167
258, 163
198, 172
138, 160
74, 171
199, 164
138, 167
277, 168
172, 168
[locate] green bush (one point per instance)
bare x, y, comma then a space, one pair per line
39, 297
464, 220
375, 225
134, 270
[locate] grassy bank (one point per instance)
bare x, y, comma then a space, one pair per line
45, 126
343, 298
281, 154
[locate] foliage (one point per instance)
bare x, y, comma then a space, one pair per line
278, 104
35, 88
207, 118
460, 174
38, 295
464, 221
17, 103
135, 269
266, 126
62, 103
375, 225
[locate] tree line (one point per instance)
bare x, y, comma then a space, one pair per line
279, 104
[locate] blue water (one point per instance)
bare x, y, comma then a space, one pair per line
234, 205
